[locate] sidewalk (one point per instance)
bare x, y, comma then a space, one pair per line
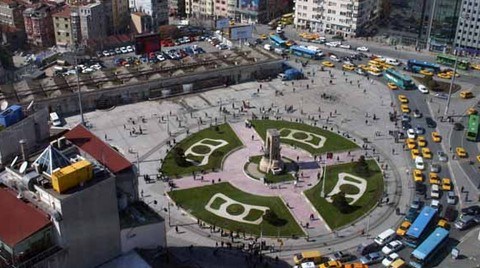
469, 248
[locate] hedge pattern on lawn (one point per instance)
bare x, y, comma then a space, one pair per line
171, 168
194, 200
331, 214
334, 142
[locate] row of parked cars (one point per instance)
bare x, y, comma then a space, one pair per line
159, 56
116, 51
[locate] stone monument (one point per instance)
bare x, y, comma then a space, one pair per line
271, 159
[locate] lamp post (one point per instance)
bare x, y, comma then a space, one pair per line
79, 93
322, 194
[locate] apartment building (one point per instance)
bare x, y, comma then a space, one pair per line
140, 23
468, 28
90, 16
117, 14
176, 8
11, 13
157, 10
65, 34
39, 25
347, 18
261, 11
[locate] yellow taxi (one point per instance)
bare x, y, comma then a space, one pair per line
426, 73
451, 73
331, 264
471, 111
403, 228
426, 153
411, 144
303, 34
355, 265
328, 64
478, 158
263, 36
461, 152
446, 184
404, 108
443, 223
466, 94
348, 67
398, 263
433, 178
415, 153
475, 66
403, 98
290, 43
417, 175
392, 86
436, 137
444, 76
421, 141
363, 67
232, 22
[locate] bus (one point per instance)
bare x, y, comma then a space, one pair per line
278, 41
419, 228
306, 52
472, 131
425, 253
416, 66
449, 60
287, 19
402, 81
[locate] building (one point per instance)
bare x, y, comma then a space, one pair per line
141, 23
117, 15
11, 13
90, 16
411, 23
176, 8
65, 34
39, 25
467, 33
340, 17
157, 10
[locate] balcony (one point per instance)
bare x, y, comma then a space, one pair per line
30, 258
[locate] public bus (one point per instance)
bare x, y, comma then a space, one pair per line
306, 52
287, 19
472, 131
402, 81
425, 253
278, 41
416, 66
449, 60
420, 227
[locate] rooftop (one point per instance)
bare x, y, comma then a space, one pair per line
19, 219
64, 12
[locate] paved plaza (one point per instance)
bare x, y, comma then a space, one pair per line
346, 107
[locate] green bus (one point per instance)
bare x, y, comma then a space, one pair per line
449, 60
472, 131
402, 81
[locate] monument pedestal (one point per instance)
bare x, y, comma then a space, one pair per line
271, 160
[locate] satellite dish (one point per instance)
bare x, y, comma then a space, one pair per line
14, 161
23, 167
4, 105
30, 105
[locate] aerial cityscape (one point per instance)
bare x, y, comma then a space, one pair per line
250, 133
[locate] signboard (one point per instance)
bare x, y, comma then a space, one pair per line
241, 32
222, 23
251, 5
147, 43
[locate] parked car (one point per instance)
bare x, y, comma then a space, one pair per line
371, 258
451, 198
471, 210
466, 222
363, 49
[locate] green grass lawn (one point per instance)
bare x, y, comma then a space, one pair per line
334, 142
330, 213
195, 199
225, 132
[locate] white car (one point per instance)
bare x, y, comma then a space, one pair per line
419, 164
391, 247
435, 203
435, 191
389, 259
411, 133
334, 58
423, 89
124, 50
333, 44
105, 53
451, 199
129, 49
363, 49
346, 46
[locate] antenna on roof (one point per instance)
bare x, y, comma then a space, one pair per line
14, 161
3, 105
23, 167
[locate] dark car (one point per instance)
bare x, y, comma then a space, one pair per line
466, 222
471, 210
458, 126
371, 258
406, 125
411, 215
430, 122
450, 213
420, 188
368, 247
341, 257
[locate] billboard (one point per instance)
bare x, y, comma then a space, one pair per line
241, 32
147, 43
222, 23
251, 5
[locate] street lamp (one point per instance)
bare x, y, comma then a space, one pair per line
322, 194
79, 93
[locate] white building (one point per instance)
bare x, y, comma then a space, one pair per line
468, 33
156, 9
342, 17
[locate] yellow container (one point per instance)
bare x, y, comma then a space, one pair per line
71, 176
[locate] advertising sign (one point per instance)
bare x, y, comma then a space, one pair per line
147, 43
241, 32
251, 5
222, 23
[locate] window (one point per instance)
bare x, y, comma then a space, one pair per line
67, 34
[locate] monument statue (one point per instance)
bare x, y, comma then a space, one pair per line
271, 159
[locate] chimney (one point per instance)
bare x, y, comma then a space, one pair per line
22, 148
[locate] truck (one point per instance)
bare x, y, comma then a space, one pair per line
291, 74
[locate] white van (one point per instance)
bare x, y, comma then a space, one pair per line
385, 237
55, 119
267, 47
391, 61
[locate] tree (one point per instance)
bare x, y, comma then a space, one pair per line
271, 217
179, 157
340, 202
361, 167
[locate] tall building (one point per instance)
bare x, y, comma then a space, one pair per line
39, 25
117, 15
90, 16
340, 17
176, 8
11, 13
157, 10
425, 23
467, 32
64, 23
261, 11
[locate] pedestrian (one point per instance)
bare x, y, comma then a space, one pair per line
307, 225
462, 189
253, 137
176, 228
366, 122
393, 151
105, 136
298, 158
141, 193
